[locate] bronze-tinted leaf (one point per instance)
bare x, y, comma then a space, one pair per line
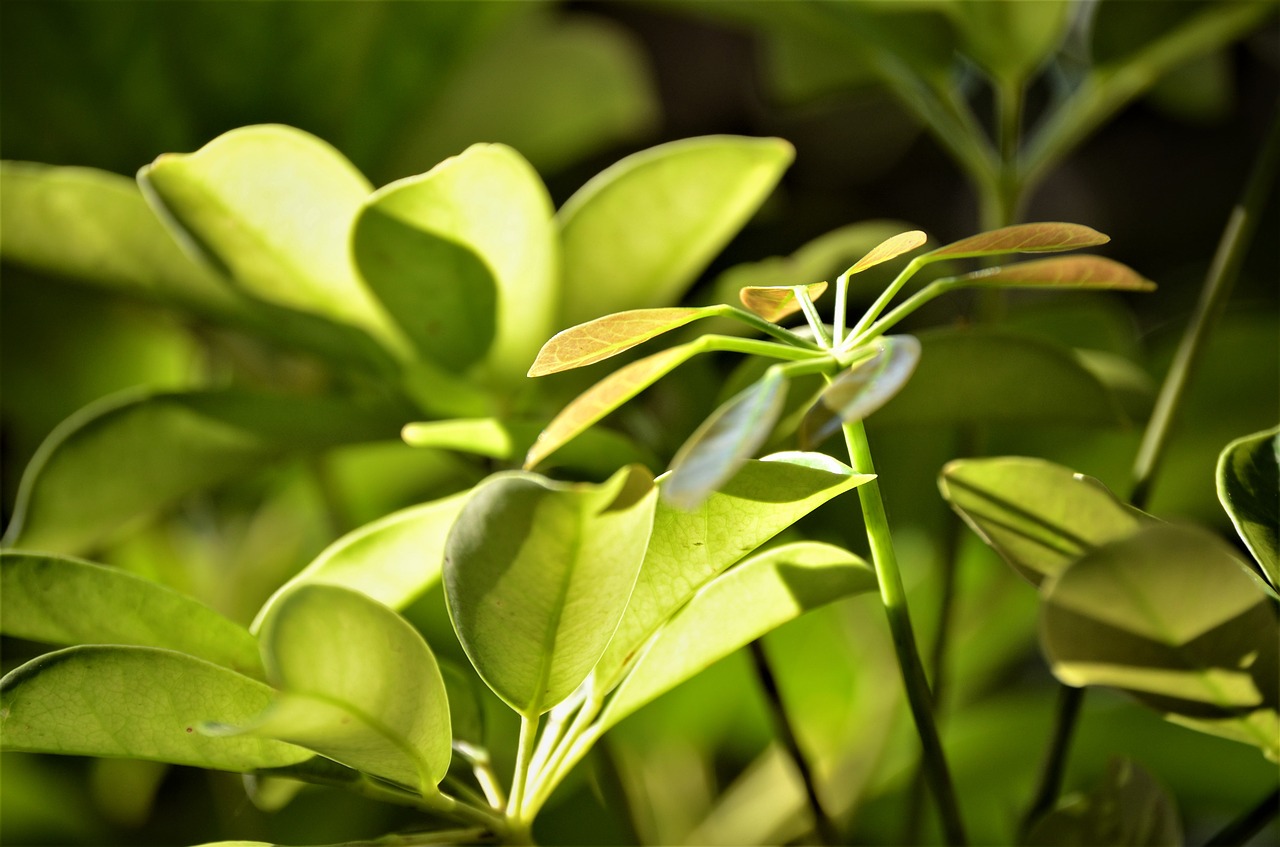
890, 248
1065, 271
596, 340
775, 302
1023, 238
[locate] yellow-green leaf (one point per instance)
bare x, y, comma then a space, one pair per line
1022, 238
599, 339
1066, 272
890, 248
775, 302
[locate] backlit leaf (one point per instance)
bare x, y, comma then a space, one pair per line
63, 601
1022, 238
598, 451
862, 389
601, 338
1249, 488
1129, 809
537, 575
775, 302
890, 248
1064, 272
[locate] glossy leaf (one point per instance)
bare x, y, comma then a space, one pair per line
1022, 238
862, 389
639, 233
358, 685
120, 460
1065, 272
537, 575
1170, 615
688, 548
735, 608
1129, 809
596, 451
890, 248
63, 601
1249, 489
135, 702
1040, 517
465, 257
392, 560
775, 302
725, 441
599, 339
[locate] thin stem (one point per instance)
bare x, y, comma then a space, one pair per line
756, 347
842, 306
482, 769
756, 322
935, 289
894, 597
524, 751
1240, 830
1067, 714
887, 295
825, 827
811, 315
552, 770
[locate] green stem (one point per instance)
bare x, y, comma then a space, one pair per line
839, 318
894, 597
811, 316
1245, 827
554, 768
756, 347
887, 295
861, 335
524, 752
1066, 716
756, 322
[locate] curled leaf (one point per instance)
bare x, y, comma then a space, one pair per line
596, 340
775, 302
1067, 271
890, 248
1249, 489
862, 389
1022, 238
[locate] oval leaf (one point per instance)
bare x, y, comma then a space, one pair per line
1249, 489
734, 609
1021, 238
890, 248
599, 339
57, 600
862, 389
1063, 272
139, 703
650, 223
537, 576
775, 302
1129, 809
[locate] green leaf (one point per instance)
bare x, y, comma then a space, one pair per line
1040, 517
273, 207
1129, 809
57, 600
1252, 729
119, 460
775, 302
650, 223
1091, 272
732, 610
392, 560
358, 685
537, 575
599, 451
136, 702
1249, 489
688, 548
890, 248
1170, 615
862, 389
599, 339
1011, 41
1021, 238
725, 441
465, 258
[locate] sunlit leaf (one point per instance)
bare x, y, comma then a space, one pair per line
1040, 517
640, 232
1249, 489
601, 338
890, 248
1170, 615
1064, 272
775, 302
358, 685
537, 575
1022, 238
862, 389
725, 441
136, 702
1129, 809
688, 548
735, 608
595, 451
63, 601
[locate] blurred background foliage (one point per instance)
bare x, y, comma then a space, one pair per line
575, 86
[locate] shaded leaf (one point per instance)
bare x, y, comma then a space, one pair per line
1022, 238
1040, 517
649, 224
537, 575
63, 601
599, 339
890, 248
1252, 729
1011, 41
1129, 809
862, 389
136, 702
725, 440
775, 302
598, 451
735, 608
466, 711
1066, 271
1249, 489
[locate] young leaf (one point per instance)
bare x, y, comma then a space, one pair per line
1129, 809
1021, 238
1169, 614
754, 597
1040, 517
723, 443
890, 248
688, 548
136, 702
1063, 272
537, 575
650, 223
775, 302
63, 601
1249, 489
599, 339
862, 389
358, 685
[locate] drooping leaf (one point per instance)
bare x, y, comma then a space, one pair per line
649, 224
120, 460
1249, 489
1129, 809
358, 685
1022, 238
598, 451
862, 389
599, 339
735, 608
1064, 272
725, 441
890, 248
63, 601
136, 702
537, 575
1169, 614
1040, 517
465, 258
688, 548
775, 302
393, 560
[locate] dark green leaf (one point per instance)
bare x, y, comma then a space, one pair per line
1249, 489
1129, 809
1011, 41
